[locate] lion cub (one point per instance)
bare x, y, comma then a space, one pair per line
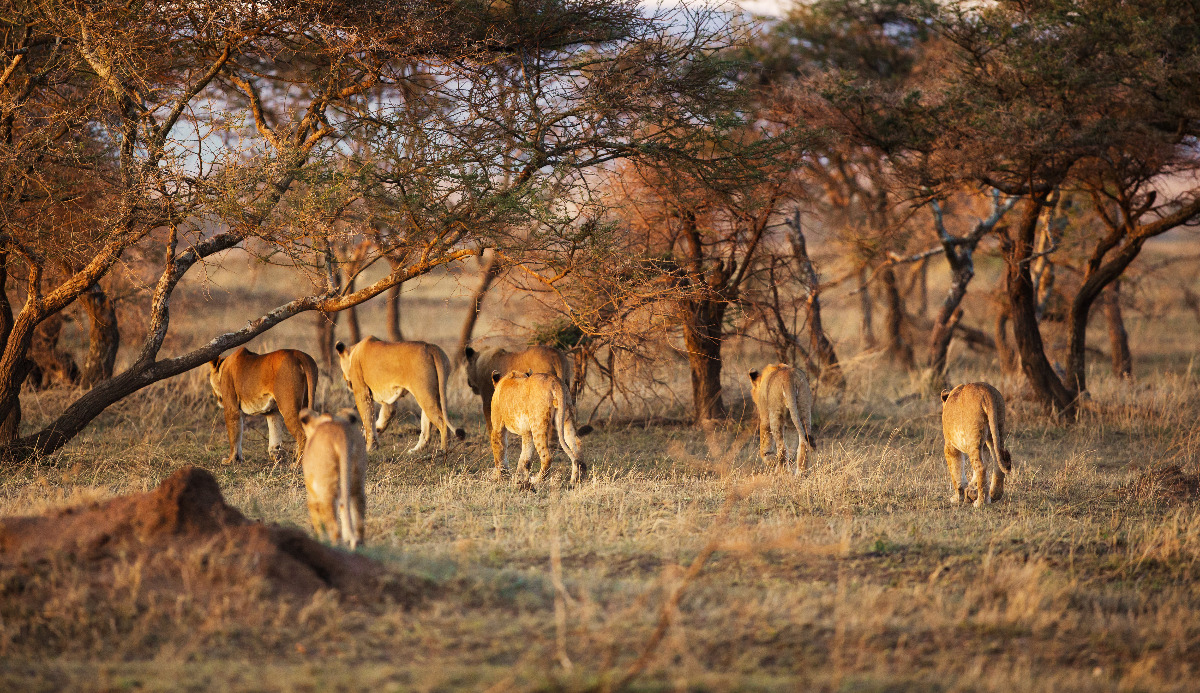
529, 404
777, 391
335, 462
973, 416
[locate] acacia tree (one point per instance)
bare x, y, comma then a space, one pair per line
1034, 98
214, 125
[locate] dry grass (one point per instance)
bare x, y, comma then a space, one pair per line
857, 576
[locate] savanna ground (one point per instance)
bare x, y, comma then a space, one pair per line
858, 575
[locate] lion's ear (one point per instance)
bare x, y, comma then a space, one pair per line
340, 347
496, 377
216, 363
754, 376
469, 353
307, 416
945, 394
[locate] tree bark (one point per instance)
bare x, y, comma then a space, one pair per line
703, 335
491, 271
1049, 390
352, 320
104, 337
819, 344
1004, 351
898, 349
52, 366
867, 332
326, 324
1122, 360
918, 287
10, 424
393, 314
1098, 278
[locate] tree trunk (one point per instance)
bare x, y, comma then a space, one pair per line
1122, 360
393, 314
52, 366
1004, 350
703, 334
491, 270
898, 349
819, 344
352, 320
104, 338
10, 422
918, 287
947, 319
326, 324
1098, 278
1027, 335
867, 333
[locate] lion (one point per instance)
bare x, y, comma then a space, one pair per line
972, 417
528, 404
383, 372
778, 391
535, 359
277, 384
335, 464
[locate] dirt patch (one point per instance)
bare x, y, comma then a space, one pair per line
1170, 484
184, 538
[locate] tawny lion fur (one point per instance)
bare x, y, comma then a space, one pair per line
335, 464
530, 405
277, 384
973, 417
780, 391
535, 359
383, 372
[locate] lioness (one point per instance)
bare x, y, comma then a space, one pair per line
972, 416
335, 462
528, 405
777, 391
386, 371
535, 359
277, 384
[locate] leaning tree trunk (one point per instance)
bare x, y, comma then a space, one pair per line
104, 338
1098, 278
898, 349
491, 270
1122, 360
1022, 298
703, 335
393, 314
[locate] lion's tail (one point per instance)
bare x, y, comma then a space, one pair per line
564, 419
441, 364
310, 377
803, 427
1003, 459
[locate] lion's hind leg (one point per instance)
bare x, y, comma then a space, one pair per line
324, 520
955, 464
979, 477
541, 441
499, 452
781, 449
521, 475
764, 439
426, 429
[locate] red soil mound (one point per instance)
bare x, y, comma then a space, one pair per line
183, 536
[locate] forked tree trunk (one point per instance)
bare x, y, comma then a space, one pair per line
491, 271
393, 314
703, 335
899, 350
918, 287
104, 337
1122, 360
1027, 335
